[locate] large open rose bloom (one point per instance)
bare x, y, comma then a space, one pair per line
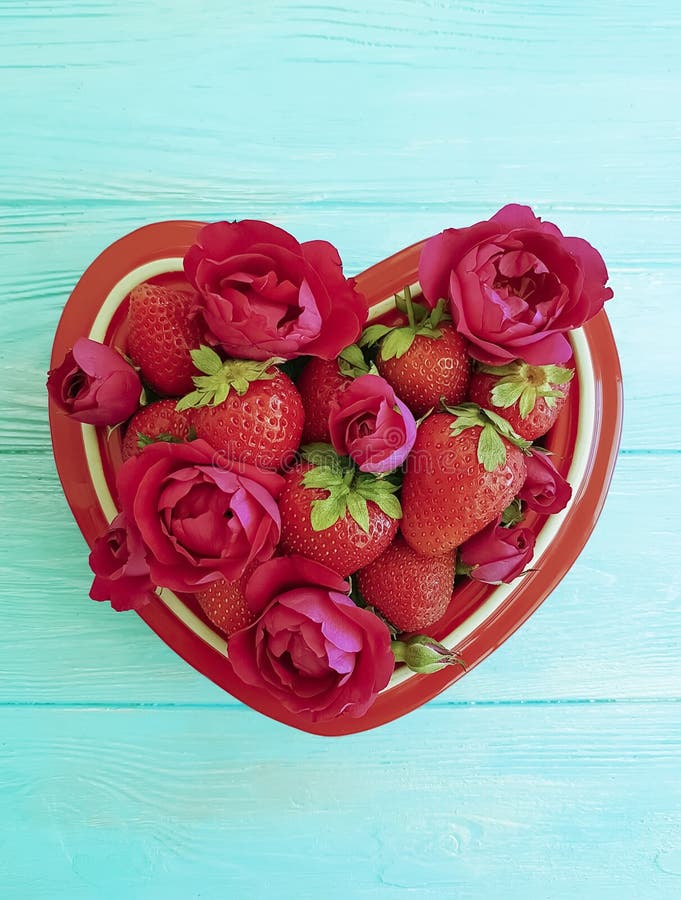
94, 384
263, 294
515, 285
311, 647
370, 424
199, 521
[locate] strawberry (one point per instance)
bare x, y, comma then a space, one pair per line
528, 397
465, 468
411, 591
424, 360
224, 604
159, 421
319, 383
336, 515
251, 411
162, 332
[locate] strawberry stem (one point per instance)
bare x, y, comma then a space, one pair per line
410, 306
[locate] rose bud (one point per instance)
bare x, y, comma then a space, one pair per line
515, 285
95, 385
496, 554
120, 567
545, 490
199, 521
263, 294
370, 424
311, 648
423, 654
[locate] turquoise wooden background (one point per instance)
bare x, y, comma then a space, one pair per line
553, 769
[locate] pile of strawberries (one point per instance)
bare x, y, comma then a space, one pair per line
400, 455
396, 533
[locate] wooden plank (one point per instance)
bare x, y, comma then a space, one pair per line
442, 111
547, 801
611, 629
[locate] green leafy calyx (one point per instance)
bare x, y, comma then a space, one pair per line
513, 514
491, 448
222, 376
348, 490
423, 654
351, 362
395, 340
518, 382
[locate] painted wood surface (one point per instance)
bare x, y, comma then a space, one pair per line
552, 769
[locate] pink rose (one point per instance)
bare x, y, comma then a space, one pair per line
545, 490
370, 424
199, 521
121, 571
497, 554
263, 294
94, 384
311, 647
515, 285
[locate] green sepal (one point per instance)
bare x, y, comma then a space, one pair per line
349, 491
518, 382
491, 451
320, 454
397, 339
220, 377
513, 514
373, 334
351, 362
327, 511
143, 440
206, 360
358, 509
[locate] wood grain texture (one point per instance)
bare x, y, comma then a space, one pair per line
549, 772
539, 803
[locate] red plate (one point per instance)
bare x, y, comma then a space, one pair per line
584, 442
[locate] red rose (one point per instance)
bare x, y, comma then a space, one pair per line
199, 521
515, 285
262, 294
121, 570
311, 647
545, 490
94, 384
497, 554
370, 424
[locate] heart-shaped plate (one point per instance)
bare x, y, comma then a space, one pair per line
584, 442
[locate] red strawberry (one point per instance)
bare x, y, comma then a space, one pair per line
158, 421
343, 519
411, 591
251, 411
162, 332
528, 397
464, 470
224, 604
424, 360
319, 383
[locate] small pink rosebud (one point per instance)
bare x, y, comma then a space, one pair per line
545, 490
95, 385
370, 424
496, 554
